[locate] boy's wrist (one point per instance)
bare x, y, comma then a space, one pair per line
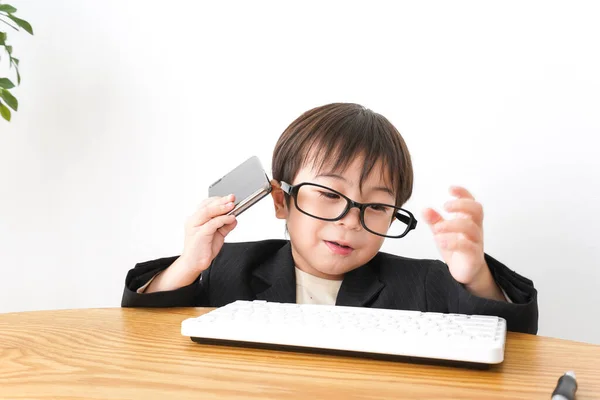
184, 271
484, 285
176, 276
188, 265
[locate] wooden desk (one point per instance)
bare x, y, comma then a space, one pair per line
140, 353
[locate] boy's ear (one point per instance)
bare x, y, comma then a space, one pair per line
281, 210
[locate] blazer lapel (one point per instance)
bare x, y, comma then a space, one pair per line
275, 279
360, 287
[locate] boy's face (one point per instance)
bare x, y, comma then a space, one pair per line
311, 238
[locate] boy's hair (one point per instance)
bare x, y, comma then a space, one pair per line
342, 132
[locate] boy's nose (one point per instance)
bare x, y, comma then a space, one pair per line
352, 219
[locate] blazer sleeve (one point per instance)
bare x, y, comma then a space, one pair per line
192, 295
445, 294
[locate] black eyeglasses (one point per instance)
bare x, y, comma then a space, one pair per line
326, 204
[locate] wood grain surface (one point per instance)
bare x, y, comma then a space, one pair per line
140, 354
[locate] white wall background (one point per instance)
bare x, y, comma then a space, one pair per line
129, 109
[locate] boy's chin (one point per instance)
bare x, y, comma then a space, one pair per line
335, 269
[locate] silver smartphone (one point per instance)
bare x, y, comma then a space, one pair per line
248, 182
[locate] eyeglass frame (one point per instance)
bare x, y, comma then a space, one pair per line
292, 190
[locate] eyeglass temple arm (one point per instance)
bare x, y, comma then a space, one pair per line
286, 187
411, 222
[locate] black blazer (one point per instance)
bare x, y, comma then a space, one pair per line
264, 270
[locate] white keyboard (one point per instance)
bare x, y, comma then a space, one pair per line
455, 337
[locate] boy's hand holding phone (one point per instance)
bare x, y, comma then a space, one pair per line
205, 233
460, 241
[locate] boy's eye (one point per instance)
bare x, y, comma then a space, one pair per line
329, 195
379, 208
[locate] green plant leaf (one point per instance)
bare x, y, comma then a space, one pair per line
10, 100
5, 112
2, 38
14, 62
22, 23
8, 50
5, 83
8, 8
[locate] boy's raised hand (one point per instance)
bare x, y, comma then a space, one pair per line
460, 241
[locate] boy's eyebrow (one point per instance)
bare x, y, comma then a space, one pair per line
336, 176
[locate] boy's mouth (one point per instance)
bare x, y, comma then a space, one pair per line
339, 248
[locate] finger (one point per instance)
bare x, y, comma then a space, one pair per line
211, 226
214, 208
461, 192
455, 242
207, 201
432, 217
466, 227
214, 199
225, 229
466, 206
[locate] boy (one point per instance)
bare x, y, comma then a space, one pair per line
340, 176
